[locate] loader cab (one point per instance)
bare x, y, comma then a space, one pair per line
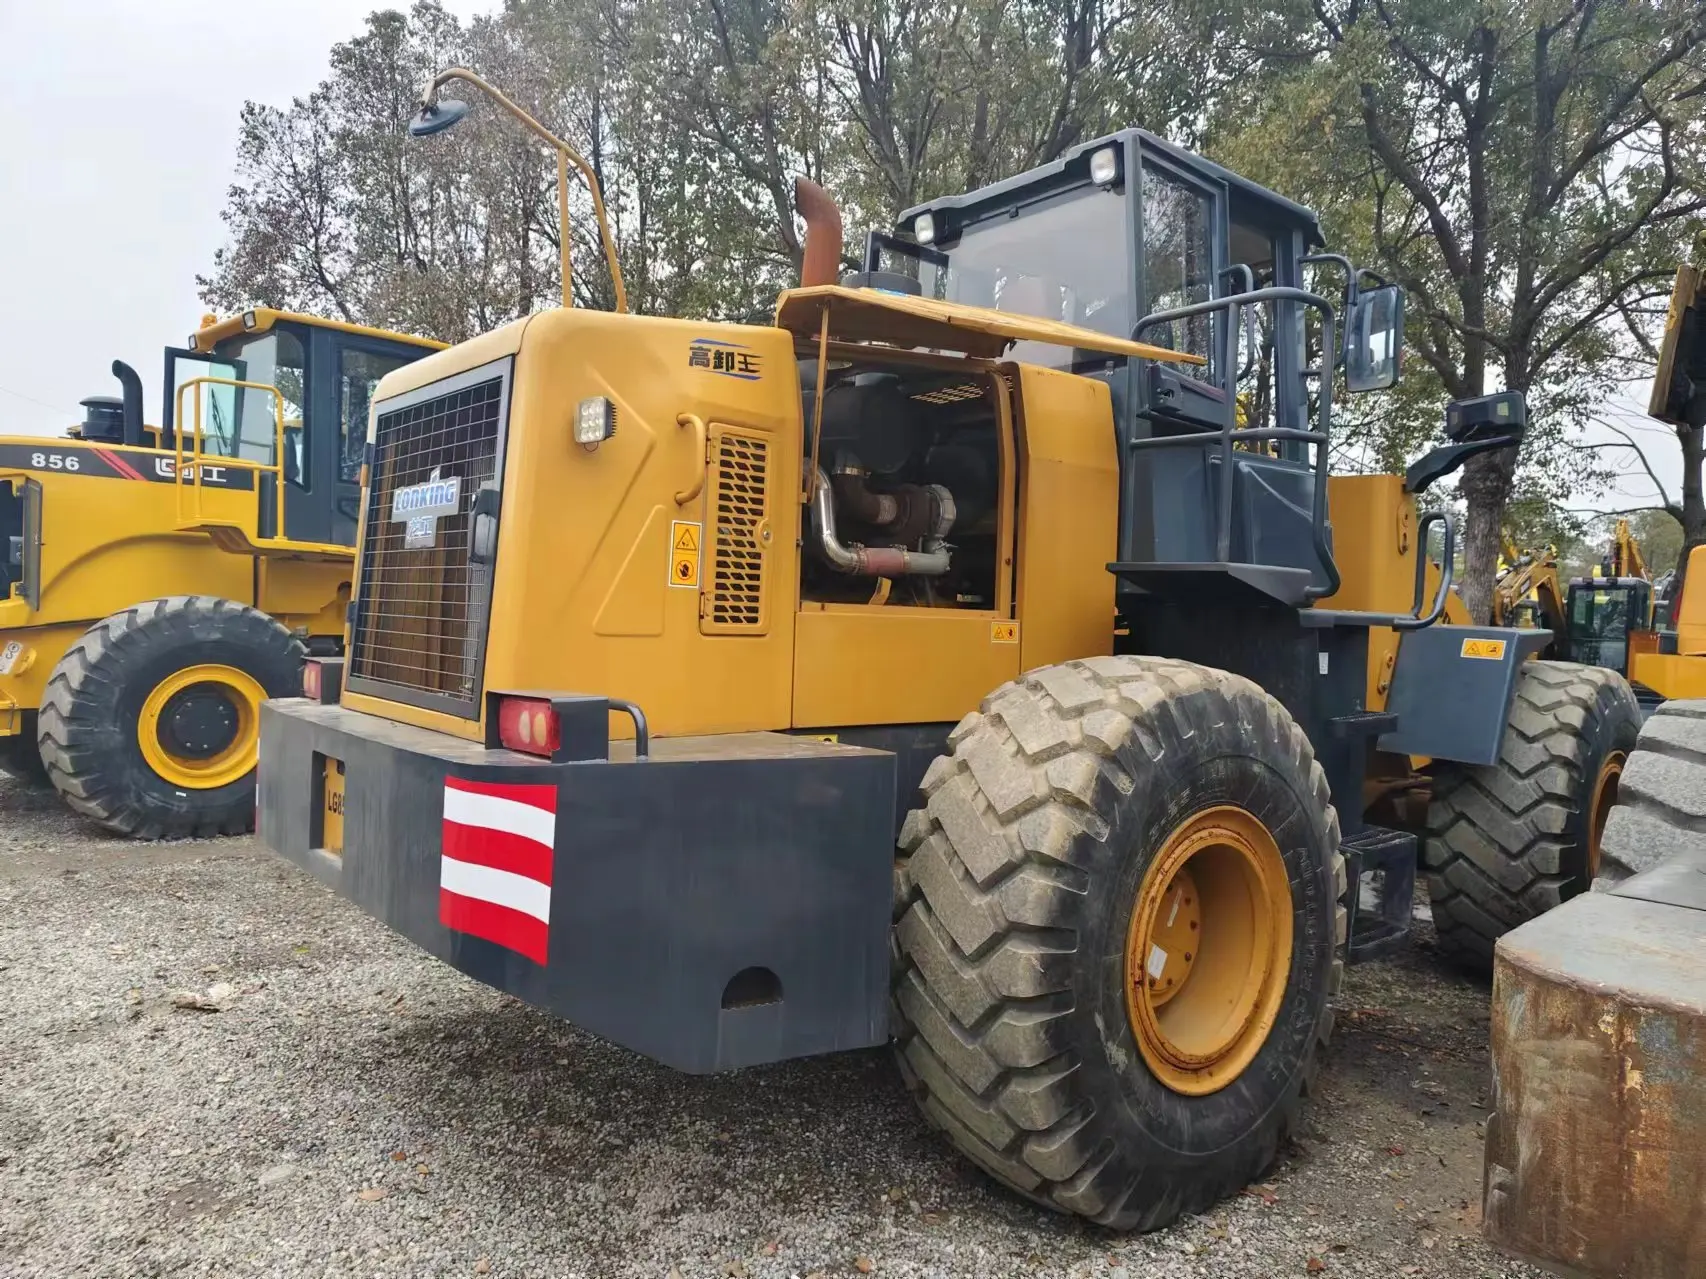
325, 375
1607, 617
1133, 237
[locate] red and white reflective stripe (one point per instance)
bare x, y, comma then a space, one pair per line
495, 871
493, 807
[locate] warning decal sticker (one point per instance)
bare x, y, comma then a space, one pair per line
684, 538
1490, 650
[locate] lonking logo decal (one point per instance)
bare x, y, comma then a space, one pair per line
418, 507
435, 497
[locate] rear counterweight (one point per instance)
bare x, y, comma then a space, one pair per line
724, 903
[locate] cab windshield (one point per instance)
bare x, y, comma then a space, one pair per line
1058, 259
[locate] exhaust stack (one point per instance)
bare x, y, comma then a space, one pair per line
820, 255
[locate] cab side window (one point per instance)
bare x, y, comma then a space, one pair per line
1178, 264
359, 373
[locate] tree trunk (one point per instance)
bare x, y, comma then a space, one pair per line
1486, 487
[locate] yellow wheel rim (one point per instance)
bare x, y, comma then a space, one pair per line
220, 745
1599, 808
1208, 950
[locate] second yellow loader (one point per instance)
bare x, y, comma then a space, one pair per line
158, 582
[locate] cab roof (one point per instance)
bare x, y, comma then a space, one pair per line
259, 319
908, 322
1072, 169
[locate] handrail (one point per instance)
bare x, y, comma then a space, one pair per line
1229, 431
1243, 268
1447, 570
642, 734
1416, 620
275, 467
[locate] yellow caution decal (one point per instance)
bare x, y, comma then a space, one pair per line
1004, 632
1487, 649
684, 539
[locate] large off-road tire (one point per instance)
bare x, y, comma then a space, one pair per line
20, 757
150, 723
1033, 892
1661, 797
1508, 841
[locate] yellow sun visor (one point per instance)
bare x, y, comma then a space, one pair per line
870, 315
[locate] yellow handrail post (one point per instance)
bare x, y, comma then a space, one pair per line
274, 468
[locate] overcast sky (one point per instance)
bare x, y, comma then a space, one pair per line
120, 121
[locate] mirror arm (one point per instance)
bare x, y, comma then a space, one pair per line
1437, 463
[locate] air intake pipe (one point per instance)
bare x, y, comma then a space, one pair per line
131, 385
880, 561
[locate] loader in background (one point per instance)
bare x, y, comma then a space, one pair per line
1610, 613
946, 663
157, 583
1610, 617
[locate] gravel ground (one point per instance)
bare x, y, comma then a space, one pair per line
210, 1065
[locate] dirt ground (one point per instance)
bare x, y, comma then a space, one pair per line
211, 1065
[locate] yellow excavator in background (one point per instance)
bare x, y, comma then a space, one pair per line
157, 583
1527, 593
1606, 618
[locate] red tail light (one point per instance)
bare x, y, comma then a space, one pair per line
311, 681
529, 725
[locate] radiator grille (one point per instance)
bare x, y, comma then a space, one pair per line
421, 611
739, 534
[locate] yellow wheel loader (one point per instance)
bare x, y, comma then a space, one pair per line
158, 583
934, 665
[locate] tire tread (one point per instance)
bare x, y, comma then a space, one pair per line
81, 746
983, 958
1499, 847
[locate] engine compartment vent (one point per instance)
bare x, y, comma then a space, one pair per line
951, 394
739, 534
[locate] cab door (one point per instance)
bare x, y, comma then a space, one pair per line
346, 369
1181, 257
241, 423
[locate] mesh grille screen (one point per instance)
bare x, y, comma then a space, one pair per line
737, 542
421, 612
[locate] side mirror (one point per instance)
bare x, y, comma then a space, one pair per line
1374, 339
1480, 425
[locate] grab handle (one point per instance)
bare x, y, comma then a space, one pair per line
697, 424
